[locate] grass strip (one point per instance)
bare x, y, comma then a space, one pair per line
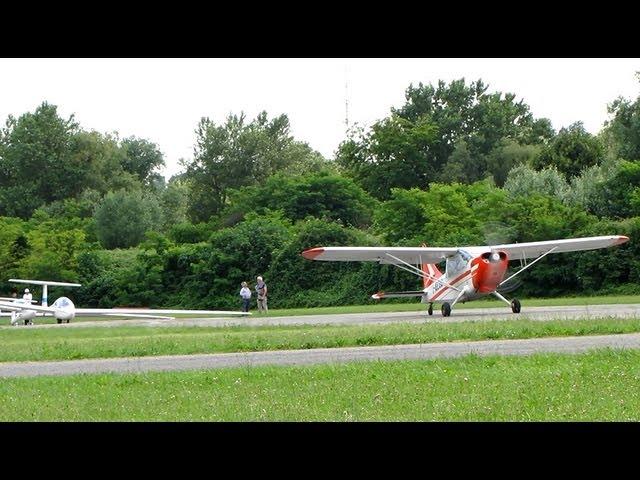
69, 344
597, 386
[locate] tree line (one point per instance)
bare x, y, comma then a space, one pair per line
457, 164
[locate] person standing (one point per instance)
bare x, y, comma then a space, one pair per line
245, 293
261, 290
27, 297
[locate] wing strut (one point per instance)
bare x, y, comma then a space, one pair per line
527, 266
417, 271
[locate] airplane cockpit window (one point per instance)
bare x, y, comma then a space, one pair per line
63, 302
456, 263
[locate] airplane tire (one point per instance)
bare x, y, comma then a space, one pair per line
515, 305
430, 309
59, 320
446, 309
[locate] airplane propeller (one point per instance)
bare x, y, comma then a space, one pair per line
499, 233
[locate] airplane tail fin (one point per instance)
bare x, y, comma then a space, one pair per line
430, 269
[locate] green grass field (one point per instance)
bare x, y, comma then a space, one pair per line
23, 344
597, 386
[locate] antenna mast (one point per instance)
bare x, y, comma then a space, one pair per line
346, 99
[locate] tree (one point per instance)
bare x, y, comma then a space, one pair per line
524, 181
106, 159
237, 154
623, 129
508, 154
415, 144
122, 218
173, 203
572, 150
395, 154
461, 166
13, 245
460, 110
36, 161
455, 214
619, 196
585, 189
324, 195
141, 158
53, 251
402, 218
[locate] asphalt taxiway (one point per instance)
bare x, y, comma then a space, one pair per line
459, 315
342, 355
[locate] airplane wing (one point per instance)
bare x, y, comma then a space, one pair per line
11, 299
411, 255
17, 307
415, 255
535, 249
137, 315
151, 312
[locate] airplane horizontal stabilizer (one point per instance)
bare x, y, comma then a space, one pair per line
379, 295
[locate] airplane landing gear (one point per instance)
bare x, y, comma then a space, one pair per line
430, 309
446, 309
515, 305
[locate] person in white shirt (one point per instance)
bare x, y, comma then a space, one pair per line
245, 293
27, 297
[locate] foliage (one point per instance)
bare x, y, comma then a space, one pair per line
36, 162
122, 218
509, 154
456, 164
443, 132
524, 181
141, 158
572, 150
618, 197
237, 154
325, 196
53, 252
397, 153
623, 129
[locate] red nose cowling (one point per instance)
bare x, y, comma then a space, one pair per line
490, 271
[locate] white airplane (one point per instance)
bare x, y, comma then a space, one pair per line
471, 272
64, 310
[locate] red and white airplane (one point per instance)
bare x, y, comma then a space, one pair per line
471, 272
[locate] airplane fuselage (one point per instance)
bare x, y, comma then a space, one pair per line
468, 277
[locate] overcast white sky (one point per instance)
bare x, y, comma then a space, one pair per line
162, 100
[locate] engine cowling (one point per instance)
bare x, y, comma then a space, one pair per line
490, 272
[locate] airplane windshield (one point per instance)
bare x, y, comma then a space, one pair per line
456, 263
63, 302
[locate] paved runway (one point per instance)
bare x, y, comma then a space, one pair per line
320, 355
459, 315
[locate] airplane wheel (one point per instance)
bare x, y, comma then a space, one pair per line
515, 305
59, 320
446, 309
430, 309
